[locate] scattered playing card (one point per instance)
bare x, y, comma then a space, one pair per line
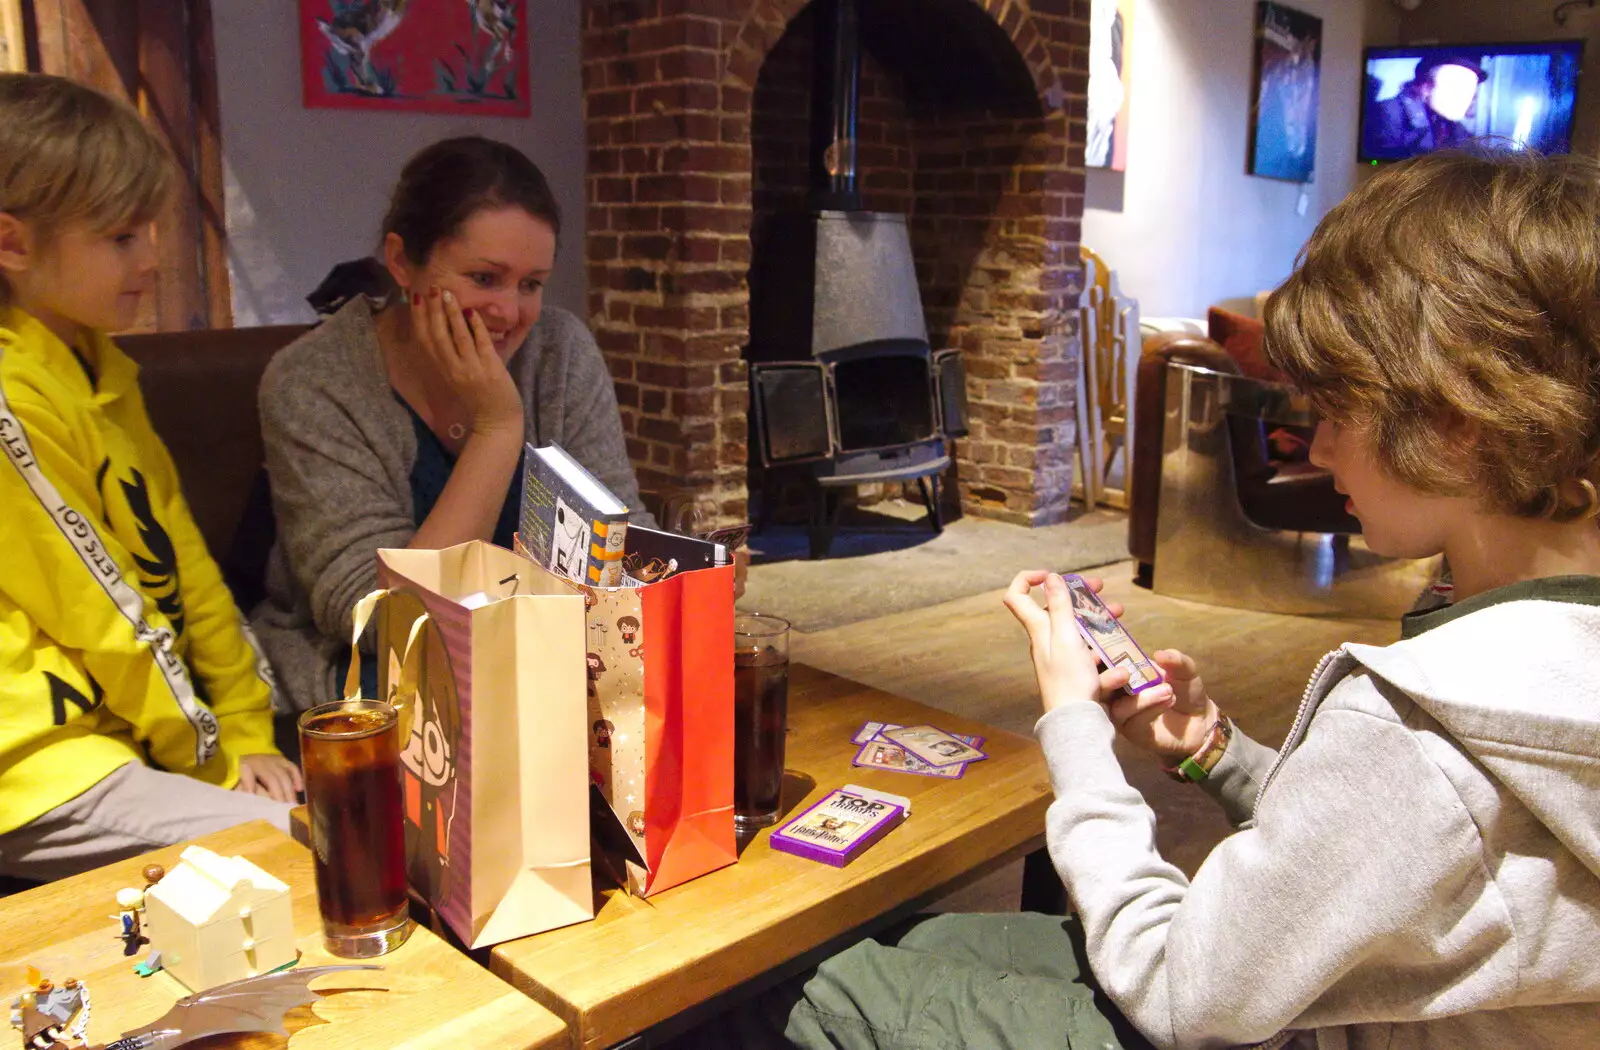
869, 730
881, 754
933, 745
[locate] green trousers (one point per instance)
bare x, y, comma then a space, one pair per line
946, 982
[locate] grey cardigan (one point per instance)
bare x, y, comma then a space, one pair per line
340, 449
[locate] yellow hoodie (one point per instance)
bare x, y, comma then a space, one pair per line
119, 641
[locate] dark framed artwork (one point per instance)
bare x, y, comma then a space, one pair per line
1283, 111
419, 56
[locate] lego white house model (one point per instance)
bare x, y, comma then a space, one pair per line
217, 919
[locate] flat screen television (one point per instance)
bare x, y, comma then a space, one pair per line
1518, 96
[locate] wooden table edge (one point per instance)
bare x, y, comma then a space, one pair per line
586, 1034
254, 838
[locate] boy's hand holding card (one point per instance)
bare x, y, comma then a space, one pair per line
1066, 666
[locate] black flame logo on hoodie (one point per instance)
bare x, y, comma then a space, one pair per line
158, 566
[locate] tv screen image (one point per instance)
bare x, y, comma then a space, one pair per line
1518, 96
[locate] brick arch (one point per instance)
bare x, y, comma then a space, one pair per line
765, 23
1003, 287
669, 93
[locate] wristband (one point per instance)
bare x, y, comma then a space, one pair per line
1198, 766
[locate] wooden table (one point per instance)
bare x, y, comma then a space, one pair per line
427, 994
641, 962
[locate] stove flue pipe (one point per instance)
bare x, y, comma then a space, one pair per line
835, 105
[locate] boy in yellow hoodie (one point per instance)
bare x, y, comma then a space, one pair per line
131, 699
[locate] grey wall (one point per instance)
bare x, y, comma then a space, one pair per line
307, 188
1185, 227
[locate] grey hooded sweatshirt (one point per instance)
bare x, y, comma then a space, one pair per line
1415, 869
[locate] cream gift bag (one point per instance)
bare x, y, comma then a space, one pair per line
496, 766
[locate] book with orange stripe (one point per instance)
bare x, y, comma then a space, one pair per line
571, 522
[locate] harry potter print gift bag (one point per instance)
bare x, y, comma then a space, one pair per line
495, 772
659, 662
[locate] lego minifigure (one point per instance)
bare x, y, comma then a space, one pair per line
131, 901
44, 1011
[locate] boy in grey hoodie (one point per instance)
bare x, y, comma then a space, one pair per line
1416, 866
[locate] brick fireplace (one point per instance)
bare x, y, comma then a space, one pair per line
971, 126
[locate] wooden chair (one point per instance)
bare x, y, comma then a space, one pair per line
1108, 325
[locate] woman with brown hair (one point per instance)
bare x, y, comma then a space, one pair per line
402, 423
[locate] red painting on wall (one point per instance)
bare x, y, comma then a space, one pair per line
418, 56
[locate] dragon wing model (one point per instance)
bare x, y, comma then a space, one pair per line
255, 1004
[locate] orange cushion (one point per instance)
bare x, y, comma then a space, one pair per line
1244, 339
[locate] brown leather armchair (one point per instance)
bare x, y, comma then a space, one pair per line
1150, 405
1274, 493
200, 390
1216, 515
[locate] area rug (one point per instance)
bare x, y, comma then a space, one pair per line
889, 565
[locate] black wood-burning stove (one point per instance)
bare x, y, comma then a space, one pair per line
844, 385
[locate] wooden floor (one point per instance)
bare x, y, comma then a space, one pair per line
969, 656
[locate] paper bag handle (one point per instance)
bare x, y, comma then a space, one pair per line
402, 694
359, 616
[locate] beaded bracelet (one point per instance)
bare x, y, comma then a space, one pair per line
1198, 766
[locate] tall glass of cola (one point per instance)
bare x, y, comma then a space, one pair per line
350, 751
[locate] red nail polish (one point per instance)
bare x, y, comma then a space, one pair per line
466, 315
416, 300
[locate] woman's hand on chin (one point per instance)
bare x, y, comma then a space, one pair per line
461, 353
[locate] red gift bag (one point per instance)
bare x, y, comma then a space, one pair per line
660, 684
